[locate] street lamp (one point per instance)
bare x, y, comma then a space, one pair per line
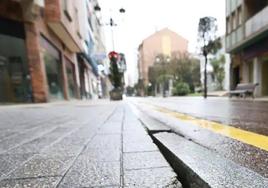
163, 61
97, 8
111, 21
168, 59
122, 10
157, 59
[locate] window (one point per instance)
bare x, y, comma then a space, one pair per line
66, 10
233, 21
239, 16
53, 67
70, 70
77, 23
228, 25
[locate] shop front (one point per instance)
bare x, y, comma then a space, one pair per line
53, 68
15, 81
70, 71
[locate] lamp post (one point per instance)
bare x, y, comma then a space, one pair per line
117, 69
111, 22
163, 61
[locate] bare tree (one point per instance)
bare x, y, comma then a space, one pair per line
207, 29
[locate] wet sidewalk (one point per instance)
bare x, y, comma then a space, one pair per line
79, 145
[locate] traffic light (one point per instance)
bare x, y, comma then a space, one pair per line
113, 56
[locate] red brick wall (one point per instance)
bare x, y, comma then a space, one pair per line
52, 10
36, 64
33, 31
11, 10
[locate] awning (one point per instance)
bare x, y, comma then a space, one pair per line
91, 61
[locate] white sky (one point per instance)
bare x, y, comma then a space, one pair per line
144, 17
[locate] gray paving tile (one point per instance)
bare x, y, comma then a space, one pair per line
104, 155
67, 146
6, 133
85, 173
136, 137
9, 162
139, 146
112, 141
151, 178
38, 144
42, 166
133, 127
30, 183
110, 128
144, 160
19, 139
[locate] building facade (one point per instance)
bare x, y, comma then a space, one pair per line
164, 42
247, 42
44, 50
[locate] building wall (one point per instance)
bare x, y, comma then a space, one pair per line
164, 42
63, 27
48, 21
246, 41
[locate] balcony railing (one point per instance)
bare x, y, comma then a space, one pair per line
257, 22
253, 27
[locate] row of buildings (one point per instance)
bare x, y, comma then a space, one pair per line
245, 46
50, 50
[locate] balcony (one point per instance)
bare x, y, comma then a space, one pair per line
61, 24
234, 38
254, 28
257, 24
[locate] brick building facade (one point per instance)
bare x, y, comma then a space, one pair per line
164, 42
45, 51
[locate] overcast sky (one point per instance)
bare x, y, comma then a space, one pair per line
144, 17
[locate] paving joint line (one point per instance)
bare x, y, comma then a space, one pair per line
130, 152
122, 148
158, 167
28, 140
33, 177
34, 154
84, 147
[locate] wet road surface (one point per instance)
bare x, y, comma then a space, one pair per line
244, 114
251, 116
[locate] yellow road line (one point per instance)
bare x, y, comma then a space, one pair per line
254, 139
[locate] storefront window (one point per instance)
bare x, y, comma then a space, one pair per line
71, 79
14, 76
53, 70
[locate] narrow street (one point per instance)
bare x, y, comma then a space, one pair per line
116, 94
140, 142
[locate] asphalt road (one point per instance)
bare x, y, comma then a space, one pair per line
235, 129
